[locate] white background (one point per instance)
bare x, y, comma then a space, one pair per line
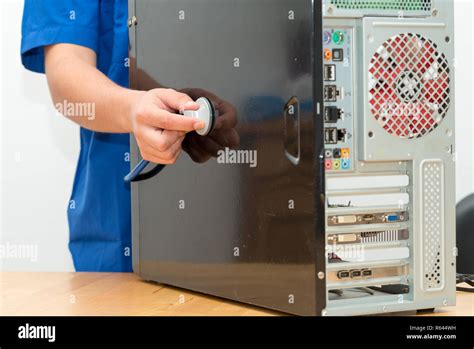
39, 149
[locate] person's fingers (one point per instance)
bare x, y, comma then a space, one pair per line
175, 150
149, 154
227, 112
174, 100
166, 157
162, 119
159, 140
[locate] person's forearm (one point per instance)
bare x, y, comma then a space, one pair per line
79, 89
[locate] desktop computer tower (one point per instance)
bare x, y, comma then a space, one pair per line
331, 186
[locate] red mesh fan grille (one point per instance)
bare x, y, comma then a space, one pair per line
409, 86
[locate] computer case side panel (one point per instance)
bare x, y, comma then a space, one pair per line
248, 223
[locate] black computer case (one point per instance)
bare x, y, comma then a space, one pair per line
247, 225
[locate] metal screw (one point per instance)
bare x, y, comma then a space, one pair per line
321, 275
445, 302
384, 309
132, 21
434, 13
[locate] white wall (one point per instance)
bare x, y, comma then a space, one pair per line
38, 149
464, 16
38, 153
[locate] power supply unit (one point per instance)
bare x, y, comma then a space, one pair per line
326, 185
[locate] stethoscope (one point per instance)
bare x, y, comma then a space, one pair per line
206, 113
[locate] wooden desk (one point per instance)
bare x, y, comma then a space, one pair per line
125, 294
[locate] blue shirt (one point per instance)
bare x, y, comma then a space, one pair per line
99, 209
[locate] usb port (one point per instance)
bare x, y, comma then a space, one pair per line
330, 135
330, 72
330, 93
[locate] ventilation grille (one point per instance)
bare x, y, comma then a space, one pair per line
394, 5
432, 214
380, 236
409, 86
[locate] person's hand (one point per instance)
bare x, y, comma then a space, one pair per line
159, 131
201, 149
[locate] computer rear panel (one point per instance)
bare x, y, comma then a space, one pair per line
389, 155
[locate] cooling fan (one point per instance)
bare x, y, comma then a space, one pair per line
409, 86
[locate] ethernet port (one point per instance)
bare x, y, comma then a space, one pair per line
341, 135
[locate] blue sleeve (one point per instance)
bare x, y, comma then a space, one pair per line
48, 22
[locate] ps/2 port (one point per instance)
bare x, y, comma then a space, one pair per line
327, 37
338, 37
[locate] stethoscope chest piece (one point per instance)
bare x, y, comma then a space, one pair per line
206, 113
